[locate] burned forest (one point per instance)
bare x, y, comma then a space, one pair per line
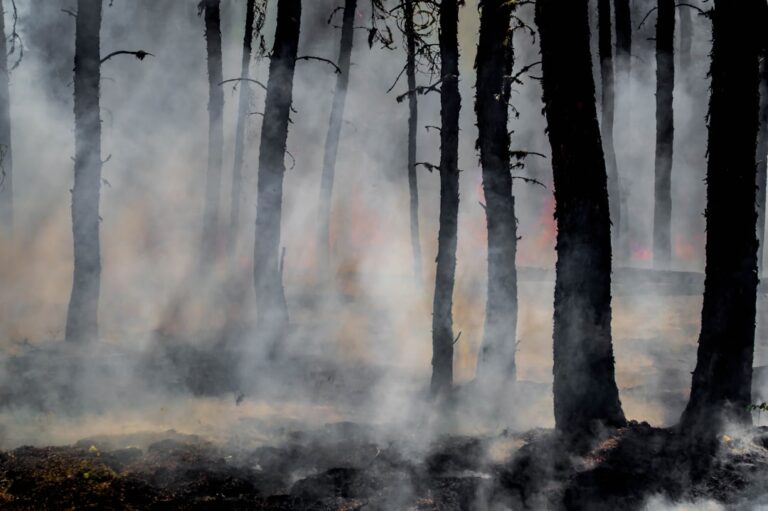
420, 255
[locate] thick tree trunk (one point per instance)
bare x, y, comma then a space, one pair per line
82, 315
665, 133
762, 161
272, 312
450, 105
495, 57
722, 381
210, 238
605, 45
332, 139
585, 389
413, 125
6, 156
242, 118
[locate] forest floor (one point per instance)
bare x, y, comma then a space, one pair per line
319, 433
340, 467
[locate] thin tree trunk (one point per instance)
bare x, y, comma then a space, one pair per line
495, 58
665, 133
332, 138
82, 315
585, 389
242, 117
450, 105
413, 124
210, 237
762, 161
6, 156
722, 380
605, 45
272, 311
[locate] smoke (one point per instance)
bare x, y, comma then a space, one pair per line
362, 353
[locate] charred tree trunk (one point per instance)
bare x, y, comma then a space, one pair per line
450, 105
495, 57
332, 139
762, 160
242, 117
665, 133
584, 385
6, 156
722, 381
272, 311
210, 238
82, 315
413, 125
605, 45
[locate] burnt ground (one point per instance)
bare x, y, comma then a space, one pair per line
339, 467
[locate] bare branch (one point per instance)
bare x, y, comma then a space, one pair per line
645, 18
310, 57
399, 75
251, 80
531, 181
139, 54
429, 166
421, 89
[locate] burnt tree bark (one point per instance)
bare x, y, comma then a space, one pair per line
242, 118
82, 314
332, 138
605, 48
495, 57
413, 125
665, 133
450, 105
585, 389
271, 308
722, 380
211, 224
6, 156
762, 158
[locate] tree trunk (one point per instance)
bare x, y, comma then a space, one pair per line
585, 389
332, 139
665, 133
82, 315
605, 45
242, 117
450, 105
762, 161
6, 156
495, 58
210, 238
272, 311
722, 381
413, 125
